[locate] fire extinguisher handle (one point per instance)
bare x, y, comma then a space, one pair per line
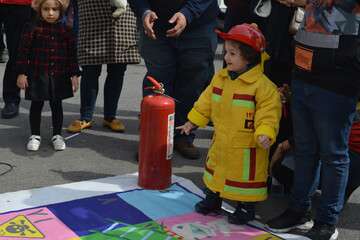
156, 84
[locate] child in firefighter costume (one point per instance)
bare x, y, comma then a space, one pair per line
245, 108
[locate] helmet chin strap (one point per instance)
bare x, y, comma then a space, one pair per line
264, 56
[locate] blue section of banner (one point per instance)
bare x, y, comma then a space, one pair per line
84, 216
161, 204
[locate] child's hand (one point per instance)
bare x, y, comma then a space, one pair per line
75, 83
186, 128
279, 153
264, 141
22, 81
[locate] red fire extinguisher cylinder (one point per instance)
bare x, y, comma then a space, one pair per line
156, 140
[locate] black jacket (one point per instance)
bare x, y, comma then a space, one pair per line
197, 12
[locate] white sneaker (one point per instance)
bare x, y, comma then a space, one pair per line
58, 143
33, 143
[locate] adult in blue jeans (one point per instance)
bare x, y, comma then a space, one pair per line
325, 90
178, 43
103, 39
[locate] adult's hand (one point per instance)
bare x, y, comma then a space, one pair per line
148, 23
180, 24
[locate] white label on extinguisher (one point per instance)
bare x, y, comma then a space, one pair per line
170, 136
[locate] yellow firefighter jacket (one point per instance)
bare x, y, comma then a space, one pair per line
241, 110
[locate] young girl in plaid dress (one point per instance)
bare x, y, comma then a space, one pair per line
47, 68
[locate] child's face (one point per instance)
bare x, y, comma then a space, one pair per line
234, 60
50, 11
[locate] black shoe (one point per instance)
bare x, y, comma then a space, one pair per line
289, 220
10, 110
211, 203
322, 231
243, 214
186, 148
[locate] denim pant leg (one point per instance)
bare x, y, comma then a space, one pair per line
15, 17
333, 116
112, 89
195, 68
306, 172
89, 87
160, 60
329, 117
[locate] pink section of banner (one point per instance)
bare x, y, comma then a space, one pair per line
194, 226
39, 223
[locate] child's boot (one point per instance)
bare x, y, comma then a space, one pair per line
244, 213
211, 203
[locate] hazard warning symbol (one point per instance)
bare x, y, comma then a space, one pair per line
31, 224
19, 226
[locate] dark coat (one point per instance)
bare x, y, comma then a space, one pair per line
47, 56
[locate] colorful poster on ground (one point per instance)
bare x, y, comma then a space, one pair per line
135, 214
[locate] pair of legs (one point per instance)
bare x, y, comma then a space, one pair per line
244, 212
14, 18
56, 115
35, 122
185, 66
322, 120
89, 88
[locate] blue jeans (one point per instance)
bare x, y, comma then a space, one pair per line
184, 65
322, 122
89, 88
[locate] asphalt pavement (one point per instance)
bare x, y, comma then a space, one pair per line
98, 152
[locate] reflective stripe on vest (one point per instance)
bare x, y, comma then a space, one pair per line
319, 40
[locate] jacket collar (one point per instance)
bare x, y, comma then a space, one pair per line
252, 75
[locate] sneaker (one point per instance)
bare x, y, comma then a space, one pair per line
186, 148
58, 143
33, 143
78, 125
115, 125
243, 214
289, 220
322, 231
211, 203
10, 110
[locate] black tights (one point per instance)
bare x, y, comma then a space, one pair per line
56, 114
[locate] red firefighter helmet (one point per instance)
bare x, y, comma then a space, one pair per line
248, 34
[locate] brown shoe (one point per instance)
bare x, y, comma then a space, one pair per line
78, 125
115, 125
186, 149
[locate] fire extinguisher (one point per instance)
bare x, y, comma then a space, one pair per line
157, 119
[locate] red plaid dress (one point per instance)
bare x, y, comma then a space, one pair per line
47, 56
